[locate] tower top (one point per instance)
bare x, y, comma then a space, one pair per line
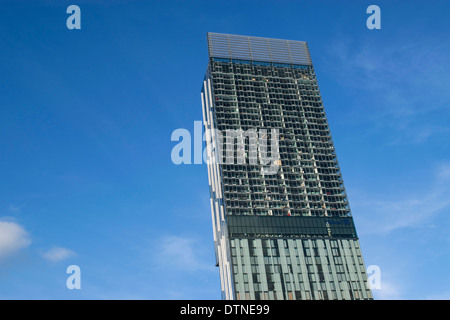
230, 46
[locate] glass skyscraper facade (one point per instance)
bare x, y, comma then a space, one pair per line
286, 233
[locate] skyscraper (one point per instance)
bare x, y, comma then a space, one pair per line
282, 223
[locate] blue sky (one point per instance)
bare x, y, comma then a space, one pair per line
86, 117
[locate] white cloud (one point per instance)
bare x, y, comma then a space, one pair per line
13, 237
394, 214
58, 254
439, 296
406, 83
443, 172
387, 291
182, 253
15, 208
383, 216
